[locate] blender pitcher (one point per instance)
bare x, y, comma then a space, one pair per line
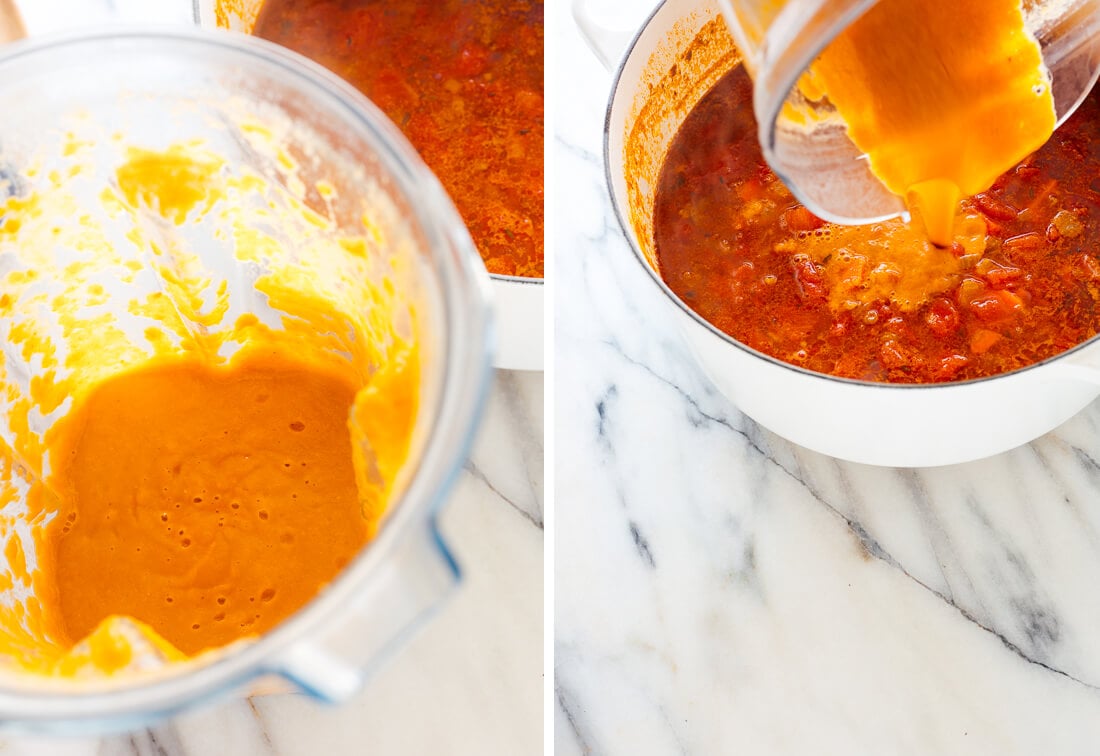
821, 166
317, 202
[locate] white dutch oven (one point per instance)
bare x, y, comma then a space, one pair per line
874, 423
518, 301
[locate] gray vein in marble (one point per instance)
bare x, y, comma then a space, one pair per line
478, 475
510, 387
158, 741
586, 155
937, 537
569, 709
601, 410
1037, 624
1090, 468
872, 547
674, 731
641, 544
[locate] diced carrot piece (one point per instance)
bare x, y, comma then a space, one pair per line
983, 340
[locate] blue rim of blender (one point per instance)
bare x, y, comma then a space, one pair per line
463, 393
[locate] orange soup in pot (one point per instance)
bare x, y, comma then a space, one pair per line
463, 79
1019, 283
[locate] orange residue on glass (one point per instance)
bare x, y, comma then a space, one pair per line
178, 486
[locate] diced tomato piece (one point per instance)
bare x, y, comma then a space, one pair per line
996, 305
472, 59
528, 102
1030, 240
801, 219
896, 355
994, 229
750, 190
996, 273
839, 327
994, 208
1027, 172
950, 366
810, 279
1089, 267
942, 317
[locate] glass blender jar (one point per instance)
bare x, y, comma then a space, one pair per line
821, 166
154, 88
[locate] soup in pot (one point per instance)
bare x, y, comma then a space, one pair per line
1019, 283
463, 79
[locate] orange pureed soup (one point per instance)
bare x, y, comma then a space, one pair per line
463, 79
218, 391
1019, 283
209, 503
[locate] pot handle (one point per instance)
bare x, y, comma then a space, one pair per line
608, 45
414, 578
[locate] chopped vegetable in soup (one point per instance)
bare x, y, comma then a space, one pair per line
1019, 283
463, 79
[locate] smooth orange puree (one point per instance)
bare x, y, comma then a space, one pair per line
207, 502
942, 96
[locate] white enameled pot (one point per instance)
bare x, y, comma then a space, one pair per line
518, 301
874, 423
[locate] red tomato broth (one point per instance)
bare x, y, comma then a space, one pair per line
735, 246
463, 79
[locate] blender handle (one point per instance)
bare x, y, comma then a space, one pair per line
11, 23
414, 579
608, 45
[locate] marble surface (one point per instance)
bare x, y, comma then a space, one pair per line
471, 680
719, 590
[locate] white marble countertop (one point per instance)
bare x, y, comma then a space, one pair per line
471, 680
719, 590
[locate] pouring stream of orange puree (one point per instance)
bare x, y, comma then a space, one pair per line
942, 96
